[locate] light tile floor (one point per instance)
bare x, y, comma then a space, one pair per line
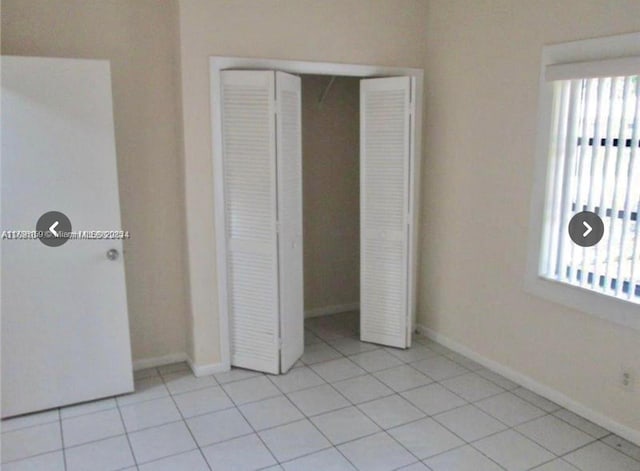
346, 405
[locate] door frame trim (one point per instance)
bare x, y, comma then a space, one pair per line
219, 63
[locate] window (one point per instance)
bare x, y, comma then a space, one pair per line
594, 166
588, 159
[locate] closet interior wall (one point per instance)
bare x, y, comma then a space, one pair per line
330, 165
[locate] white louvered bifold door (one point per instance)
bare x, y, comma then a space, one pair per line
289, 161
385, 162
249, 166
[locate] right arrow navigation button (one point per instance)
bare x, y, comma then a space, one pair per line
586, 229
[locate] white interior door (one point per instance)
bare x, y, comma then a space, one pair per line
250, 206
386, 123
65, 331
289, 161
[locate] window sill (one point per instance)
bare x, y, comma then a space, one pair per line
618, 311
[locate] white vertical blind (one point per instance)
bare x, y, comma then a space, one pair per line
632, 193
581, 190
593, 166
556, 176
568, 183
385, 153
289, 161
249, 166
619, 120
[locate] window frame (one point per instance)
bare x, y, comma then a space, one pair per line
603, 306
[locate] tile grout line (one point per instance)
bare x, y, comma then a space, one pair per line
64, 453
578, 428
242, 435
386, 430
472, 403
308, 418
508, 427
186, 424
441, 353
382, 429
126, 432
563, 455
468, 443
351, 404
503, 390
247, 421
367, 416
410, 364
48, 422
513, 428
464, 441
554, 456
35, 455
611, 434
364, 436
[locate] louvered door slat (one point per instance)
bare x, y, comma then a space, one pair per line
250, 217
385, 125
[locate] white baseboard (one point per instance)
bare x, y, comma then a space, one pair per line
327, 310
207, 369
535, 386
198, 370
153, 362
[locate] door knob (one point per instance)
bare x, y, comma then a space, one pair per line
112, 254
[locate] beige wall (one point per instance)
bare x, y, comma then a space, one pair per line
139, 38
384, 32
330, 163
482, 66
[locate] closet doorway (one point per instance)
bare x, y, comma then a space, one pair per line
331, 213
257, 132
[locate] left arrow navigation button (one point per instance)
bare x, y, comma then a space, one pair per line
54, 228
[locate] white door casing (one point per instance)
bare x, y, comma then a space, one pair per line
217, 66
399, 270
386, 222
65, 330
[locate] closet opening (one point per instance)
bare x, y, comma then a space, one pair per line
331, 214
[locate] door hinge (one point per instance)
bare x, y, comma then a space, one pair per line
280, 343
